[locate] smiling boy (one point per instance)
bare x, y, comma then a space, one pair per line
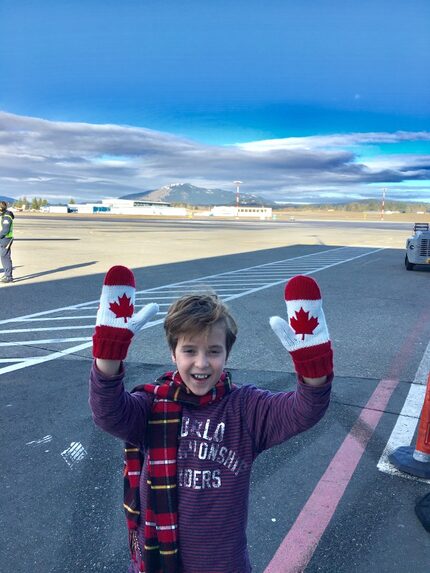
200, 352
196, 432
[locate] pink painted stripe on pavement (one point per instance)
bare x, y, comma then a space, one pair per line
297, 548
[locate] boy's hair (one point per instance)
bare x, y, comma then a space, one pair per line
3, 205
193, 313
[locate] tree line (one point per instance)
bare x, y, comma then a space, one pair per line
35, 204
365, 205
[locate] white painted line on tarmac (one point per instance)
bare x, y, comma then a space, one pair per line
151, 298
45, 312
74, 454
51, 318
41, 329
44, 440
423, 371
284, 269
36, 342
47, 358
404, 430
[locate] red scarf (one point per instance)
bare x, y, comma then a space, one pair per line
161, 551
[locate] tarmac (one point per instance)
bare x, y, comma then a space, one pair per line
319, 502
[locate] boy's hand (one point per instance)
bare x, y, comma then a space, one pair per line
305, 335
116, 325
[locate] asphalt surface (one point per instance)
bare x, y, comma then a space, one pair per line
61, 504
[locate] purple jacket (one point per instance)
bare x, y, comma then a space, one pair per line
217, 446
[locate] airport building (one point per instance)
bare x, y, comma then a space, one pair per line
244, 211
120, 207
157, 208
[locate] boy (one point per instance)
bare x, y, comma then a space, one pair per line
198, 432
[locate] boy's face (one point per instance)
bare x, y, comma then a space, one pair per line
200, 359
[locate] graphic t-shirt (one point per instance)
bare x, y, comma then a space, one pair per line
216, 448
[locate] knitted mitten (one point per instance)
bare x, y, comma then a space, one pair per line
305, 335
115, 324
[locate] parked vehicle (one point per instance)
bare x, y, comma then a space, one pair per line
418, 247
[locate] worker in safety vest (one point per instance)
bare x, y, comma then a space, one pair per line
6, 240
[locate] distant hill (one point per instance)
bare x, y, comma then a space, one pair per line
187, 194
364, 205
9, 200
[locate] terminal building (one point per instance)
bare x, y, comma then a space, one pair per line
128, 207
158, 208
243, 212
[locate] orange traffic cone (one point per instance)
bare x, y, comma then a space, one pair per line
416, 461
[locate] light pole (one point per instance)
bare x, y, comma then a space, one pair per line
383, 204
237, 183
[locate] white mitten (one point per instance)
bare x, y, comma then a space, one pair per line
305, 335
116, 325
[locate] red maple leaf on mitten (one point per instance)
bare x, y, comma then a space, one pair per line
302, 324
305, 335
122, 308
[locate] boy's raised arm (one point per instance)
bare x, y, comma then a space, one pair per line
116, 324
114, 409
305, 335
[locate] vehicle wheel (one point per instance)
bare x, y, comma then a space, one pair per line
409, 266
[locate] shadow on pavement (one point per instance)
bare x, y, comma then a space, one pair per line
57, 270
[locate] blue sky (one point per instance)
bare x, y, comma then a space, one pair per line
301, 100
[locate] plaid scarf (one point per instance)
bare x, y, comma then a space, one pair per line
161, 551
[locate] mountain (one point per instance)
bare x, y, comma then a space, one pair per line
9, 200
191, 195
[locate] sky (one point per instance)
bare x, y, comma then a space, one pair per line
303, 101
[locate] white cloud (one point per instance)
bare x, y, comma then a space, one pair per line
89, 162
335, 140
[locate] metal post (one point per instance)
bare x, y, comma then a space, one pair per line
237, 183
383, 204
